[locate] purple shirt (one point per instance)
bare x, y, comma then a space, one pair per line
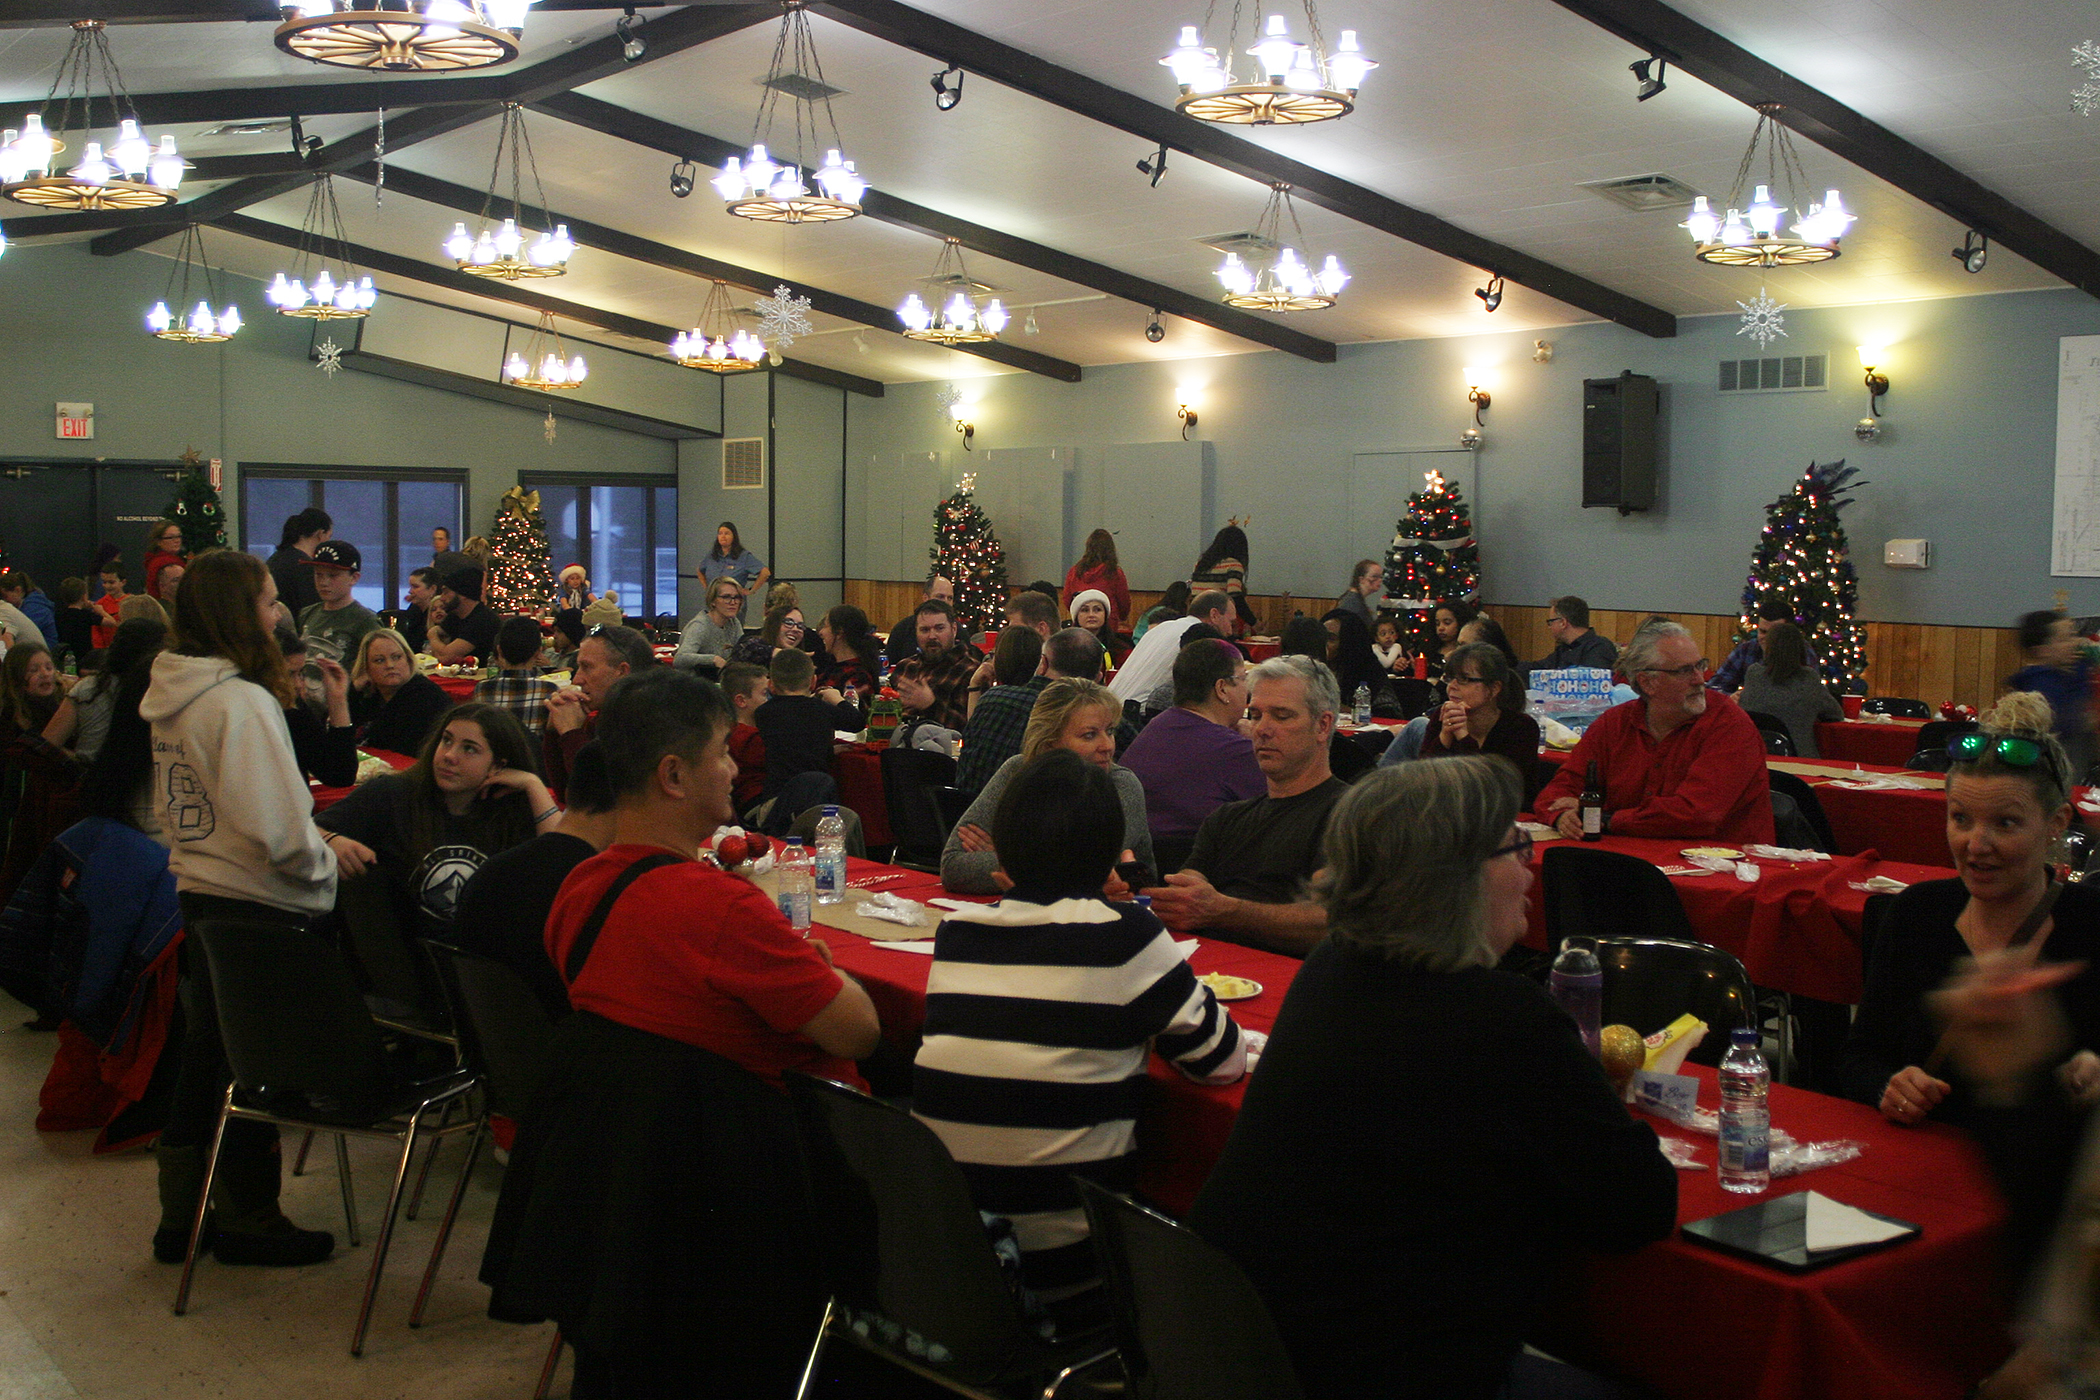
1190, 767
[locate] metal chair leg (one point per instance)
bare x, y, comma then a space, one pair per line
437, 1251
342, 1172
386, 1235
305, 1145
415, 1200
211, 1169
816, 1351
547, 1370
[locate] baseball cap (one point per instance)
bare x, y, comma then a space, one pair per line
339, 554
465, 582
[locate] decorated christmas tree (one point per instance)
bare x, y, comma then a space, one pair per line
519, 578
966, 551
197, 507
1801, 559
1433, 559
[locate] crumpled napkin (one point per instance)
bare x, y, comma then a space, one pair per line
1880, 884
892, 909
1784, 853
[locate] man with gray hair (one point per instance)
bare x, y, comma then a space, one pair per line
1678, 760
1245, 879
1151, 661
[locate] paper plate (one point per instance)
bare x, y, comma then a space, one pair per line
1712, 853
1225, 987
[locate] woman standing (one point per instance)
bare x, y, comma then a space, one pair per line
729, 559
848, 660
1092, 611
1366, 579
1224, 566
1786, 687
1098, 569
238, 818
163, 547
392, 705
1426, 1136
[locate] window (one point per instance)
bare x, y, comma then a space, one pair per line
387, 514
623, 530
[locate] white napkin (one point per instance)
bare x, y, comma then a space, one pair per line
1188, 947
1835, 1225
1880, 884
1785, 853
892, 909
905, 945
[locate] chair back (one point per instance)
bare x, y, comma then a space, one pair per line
1188, 1323
1896, 705
1939, 733
909, 779
504, 1031
805, 826
953, 802
1806, 802
1349, 760
1650, 982
1778, 738
906, 1240
291, 1016
397, 974
1933, 760
1415, 696
1607, 894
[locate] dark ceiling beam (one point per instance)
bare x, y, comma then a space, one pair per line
1010, 67
468, 201
1734, 70
241, 167
50, 14
432, 275
587, 63
637, 129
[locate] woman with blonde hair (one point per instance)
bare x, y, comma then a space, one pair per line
1076, 715
392, 704
1099, 569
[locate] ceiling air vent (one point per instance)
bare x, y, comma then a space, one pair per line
802, 87
743, 464
1644, 192
248, 128
1245, 243
1776, 374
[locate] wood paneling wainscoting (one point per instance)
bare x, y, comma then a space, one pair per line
1968, 665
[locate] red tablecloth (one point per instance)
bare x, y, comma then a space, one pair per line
1925, 1318
1262, 651
857, 768
326, 797
1795, 929
460, 688
1869, 741
1922, 1319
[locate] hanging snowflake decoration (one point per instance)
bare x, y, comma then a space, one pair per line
947, 397
2086, 100
1761, 319
547, 428
782, 317
328, 357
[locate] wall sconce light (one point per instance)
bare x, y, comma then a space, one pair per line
963, 425
1187, 416
1477, 396
1877, 384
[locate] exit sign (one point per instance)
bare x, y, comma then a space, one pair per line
76, 421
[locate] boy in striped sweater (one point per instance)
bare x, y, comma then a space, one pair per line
1040, 1011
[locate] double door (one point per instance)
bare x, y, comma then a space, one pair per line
55, 515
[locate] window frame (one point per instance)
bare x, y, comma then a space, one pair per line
384, 553
643, 481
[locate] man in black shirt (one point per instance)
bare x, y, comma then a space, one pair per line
292, 565
1245, 879
797, 729
413, 621
502, 911
467, 630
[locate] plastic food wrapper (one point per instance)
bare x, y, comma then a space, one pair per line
1256, 1042
1719, 864
1746, 872
1786, 853
1681, 1154
1555, 734
1797, 1157
371, 766
891, 909
1668, 1046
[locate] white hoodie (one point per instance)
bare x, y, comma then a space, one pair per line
234, 807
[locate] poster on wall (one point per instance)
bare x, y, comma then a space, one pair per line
2075, 537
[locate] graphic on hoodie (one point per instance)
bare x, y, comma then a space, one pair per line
190, 816
442, 875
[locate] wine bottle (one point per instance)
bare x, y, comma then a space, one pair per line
1592, 806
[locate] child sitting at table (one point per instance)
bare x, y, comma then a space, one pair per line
1010, 1066
745, 685
1386, 647
798, 728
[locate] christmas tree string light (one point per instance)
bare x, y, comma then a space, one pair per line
519, 578
1802, 560
1434, 559
966, 551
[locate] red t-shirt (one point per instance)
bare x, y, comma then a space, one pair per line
749, 751
1707, 780
698, 955
103, 636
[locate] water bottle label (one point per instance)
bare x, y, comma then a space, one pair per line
831, 873
1746, 1146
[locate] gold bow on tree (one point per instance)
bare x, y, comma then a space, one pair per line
518, 501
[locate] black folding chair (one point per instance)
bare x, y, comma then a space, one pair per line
1895, 705
1941, 732
1188, 1323
306, 1053
1650, 982
1779, 740
1934, 760
913, 1276
1811, 809
910, 779
952, 802
1591, 893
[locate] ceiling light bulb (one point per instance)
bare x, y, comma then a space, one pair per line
1276, 50
93, 169
508, 240
679, 346
913, 313
36, 145
760, 169
1333, 276
1303, 77
324, 287
230, 320
577, 369
1188, 58
166, 167
1703, 223
730, 183
460, 245
11, 158
788, 183
507, 14
995, 317
202, 322
1734, 232
1346, 69
1764, 215
514, 367
279, 292
159, 319
130, 151
367, 294
484, 250
449, 14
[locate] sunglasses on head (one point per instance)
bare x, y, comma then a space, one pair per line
2009, 749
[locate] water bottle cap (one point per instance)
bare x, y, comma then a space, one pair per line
1745, 1035
831, 811
1144, 901
794, 840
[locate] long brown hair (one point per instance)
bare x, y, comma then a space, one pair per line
17, 706
508, 817
776, 617
1100, 550
1786, 653
215, 615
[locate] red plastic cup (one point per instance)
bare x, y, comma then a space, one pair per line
1852, 704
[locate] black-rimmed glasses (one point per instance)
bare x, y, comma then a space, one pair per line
1520, 848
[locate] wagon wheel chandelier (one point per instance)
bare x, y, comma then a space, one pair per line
201, 325
404, 36
130, 174
716, 342
501, 252
1286, 83
1750, 235
1284, 283
545, 364
314, 290
961, 319
758, 185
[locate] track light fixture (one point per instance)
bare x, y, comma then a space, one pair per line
682, 179
1029, 327
1490, 295
1646, 86
1974, 252
632, 45
1155, 165
945, 97
1154, 331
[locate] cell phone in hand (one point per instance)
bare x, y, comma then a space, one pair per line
1136, 874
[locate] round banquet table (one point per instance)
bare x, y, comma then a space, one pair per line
1887, 741
460, 688
1923, 1319
326, 797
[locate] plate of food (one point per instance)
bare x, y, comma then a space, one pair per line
1712, 853
1226, 987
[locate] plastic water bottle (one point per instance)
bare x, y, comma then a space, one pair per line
831, 857
1363, 704
1577, 987
1746, 1116
795, 882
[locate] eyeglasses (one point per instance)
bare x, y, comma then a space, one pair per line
1520, 848
2009, 749
1684, 673
1450, 681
